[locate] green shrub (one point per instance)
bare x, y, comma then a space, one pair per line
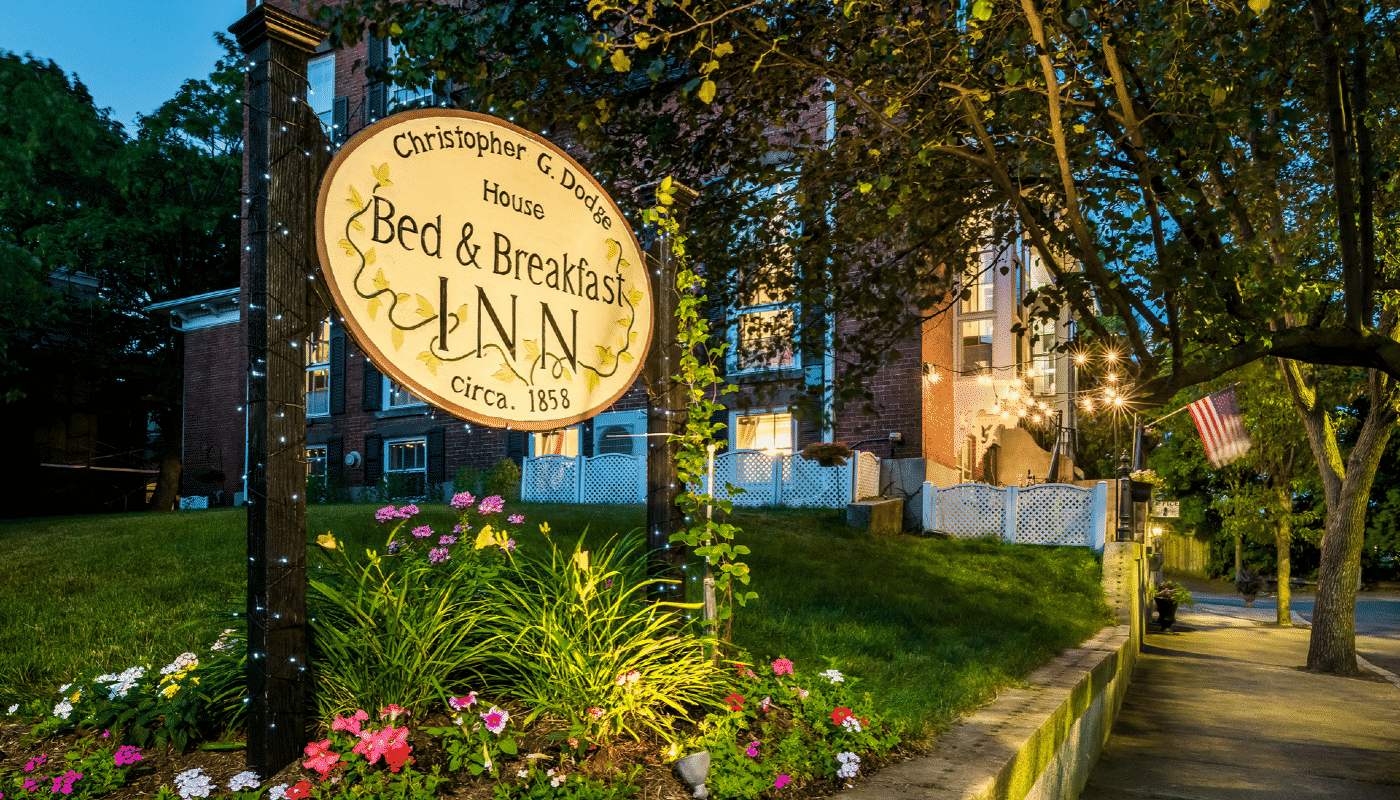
582, 647
468, 479
503, 478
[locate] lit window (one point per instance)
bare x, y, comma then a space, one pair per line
769, 432
1043, 357
763, 318
316, 462
318, 370
982, 293
320, 87
977, 346
406, 467
557, 443
765, 339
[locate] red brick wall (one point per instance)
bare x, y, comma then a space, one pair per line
215, 387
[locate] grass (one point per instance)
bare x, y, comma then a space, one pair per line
931, 627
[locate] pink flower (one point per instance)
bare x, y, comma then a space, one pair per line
351, 723
30, 784
462, 703
743, 671
462, 500
393, 712
35, 763
437, 555
782, 667
63, 784
783, 780
628, 678
422, 531
126, 755
408, 511
385, 514
752, 750
374, 745
515, 519
735, 701
801, 693
322, 759
491, 505
510, 545
764, 702
445, 540
106, 733
496, 720
595, 712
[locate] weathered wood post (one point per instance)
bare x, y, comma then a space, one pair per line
666, 407
284, 152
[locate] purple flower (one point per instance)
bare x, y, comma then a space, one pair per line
63, 784
752, 750
437, 555
422, 531
394, 547
386, 513
491, 505
127, 755
516, 519
408, 511
495, 719
462, 500
460, 528
510, 545
446, 540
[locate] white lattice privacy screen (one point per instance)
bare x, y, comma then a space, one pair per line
1053, 513
766, 480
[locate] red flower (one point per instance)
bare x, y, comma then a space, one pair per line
840, 715
322, 759
734, 701
397, 755
299, 791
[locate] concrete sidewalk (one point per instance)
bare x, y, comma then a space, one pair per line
1222, 709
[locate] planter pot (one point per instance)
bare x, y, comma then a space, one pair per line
1166, 613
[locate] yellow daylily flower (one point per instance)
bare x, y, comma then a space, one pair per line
327, 541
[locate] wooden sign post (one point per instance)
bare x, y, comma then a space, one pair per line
285, 152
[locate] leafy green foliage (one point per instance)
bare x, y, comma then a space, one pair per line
578, 644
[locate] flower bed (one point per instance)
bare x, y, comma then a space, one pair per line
592, 692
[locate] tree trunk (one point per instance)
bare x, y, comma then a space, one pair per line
168, 482
1239, 555
1282, 534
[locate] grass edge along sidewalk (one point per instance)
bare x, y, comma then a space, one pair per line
932, 627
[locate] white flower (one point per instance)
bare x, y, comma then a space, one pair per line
851, 724
108, 678
850, 764
120, 689
557, 780
834, 676
244, 780
277, 792
14, 708
524, 773
183, 663
64, 688
193, 783
63, 709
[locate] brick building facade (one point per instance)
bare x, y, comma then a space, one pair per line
932, 403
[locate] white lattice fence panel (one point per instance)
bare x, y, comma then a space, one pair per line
970, 510
807, 483
1053, 514
549, 479
614, 478
750, 470
867, 475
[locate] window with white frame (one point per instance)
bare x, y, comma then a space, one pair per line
406, 466
318, 370
320, 88
763, 319
769, 431
396, 396
555, 443
403, 96
316, 461
1043, 357
981, 289
976, 346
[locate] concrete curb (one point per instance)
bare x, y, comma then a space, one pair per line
1035, 742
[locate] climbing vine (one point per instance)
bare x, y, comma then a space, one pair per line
706, 538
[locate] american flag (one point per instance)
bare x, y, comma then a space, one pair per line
1222, 430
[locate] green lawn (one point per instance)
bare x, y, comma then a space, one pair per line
931, 627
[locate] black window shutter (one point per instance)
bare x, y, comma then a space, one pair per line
515, 446
373, 388
586, 433
376, 53
335, 462
337, 369
437, 456
340, 119
721, 434
374, 459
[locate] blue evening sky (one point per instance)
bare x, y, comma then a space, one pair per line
131, 54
